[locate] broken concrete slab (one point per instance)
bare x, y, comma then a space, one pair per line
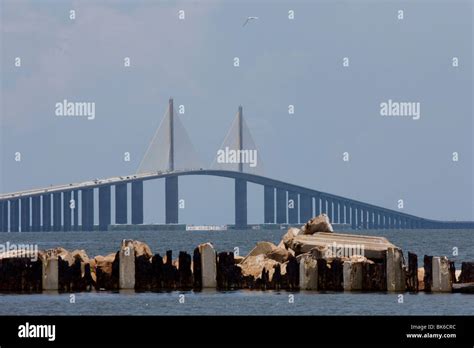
369, 246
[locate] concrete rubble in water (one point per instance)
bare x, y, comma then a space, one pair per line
312, 257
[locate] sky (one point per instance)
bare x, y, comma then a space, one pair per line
282, 61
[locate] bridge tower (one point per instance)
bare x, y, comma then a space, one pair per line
171, 183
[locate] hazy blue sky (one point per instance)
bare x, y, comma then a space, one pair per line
282, 62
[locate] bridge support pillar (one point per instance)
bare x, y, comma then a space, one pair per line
376, 219
292, 207
46, 206
4, 216
121, 203
36, 213
324, 205
240, 203
269, 204
67, 211
281, 205
87, 209
317, 205
351, 215
14, 215
306, 208
105, 207
25, 214
75, 210
137, 202
343, 213
57, 207
171, 198
336, 206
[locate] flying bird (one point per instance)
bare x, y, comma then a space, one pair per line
249, 19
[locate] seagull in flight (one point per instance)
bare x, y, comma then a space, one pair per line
251, 18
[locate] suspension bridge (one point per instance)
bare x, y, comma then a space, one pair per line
171, 155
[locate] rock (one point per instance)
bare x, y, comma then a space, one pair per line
319, 223
208, 265
395, 271
142, 249
441, 275
288, 236
280, 255
262, 248
253, 266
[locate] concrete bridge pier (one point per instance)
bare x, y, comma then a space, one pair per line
4, 216
121, 204
57, 207
25, 214
46, 205
36, 213
306, 208
171, 200
269, 204
75, 212
14, 215
67, 211
137, 202
292, 207
240, 202
336, 211
324, 209
317, 205
87, 209
281, 205
105, 207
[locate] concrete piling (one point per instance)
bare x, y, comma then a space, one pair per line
208, 265
308, 272
127, 265
441, 275
395, 271
352, 275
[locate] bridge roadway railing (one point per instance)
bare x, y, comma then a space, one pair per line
71, 207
